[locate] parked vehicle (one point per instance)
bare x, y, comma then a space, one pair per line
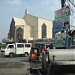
54, 59
16, 49
34, 53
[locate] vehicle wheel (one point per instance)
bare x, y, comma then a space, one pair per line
44, 68
25, 54
11, 55
29, 60
54, 70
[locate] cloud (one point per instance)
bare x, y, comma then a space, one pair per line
10, 8
12, 2
45, 8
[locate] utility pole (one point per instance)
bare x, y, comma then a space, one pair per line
66, 26
72, 3
63, 3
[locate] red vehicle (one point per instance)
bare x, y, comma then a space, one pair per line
34, 53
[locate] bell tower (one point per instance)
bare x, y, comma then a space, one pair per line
26, 11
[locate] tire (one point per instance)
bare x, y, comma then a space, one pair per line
54, 70
44, 67
49, 70
26, 54
29, 60
11, 55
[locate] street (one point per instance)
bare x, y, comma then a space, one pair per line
13, 66
20, 65
37, 37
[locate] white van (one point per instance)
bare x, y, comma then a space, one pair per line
16, 49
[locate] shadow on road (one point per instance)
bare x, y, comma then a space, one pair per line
36, 72
68, 70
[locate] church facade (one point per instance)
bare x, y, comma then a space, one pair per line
30, 27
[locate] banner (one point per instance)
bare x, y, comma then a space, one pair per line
60, 40
58, 24
65, 11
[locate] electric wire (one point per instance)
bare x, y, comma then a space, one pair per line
72, 2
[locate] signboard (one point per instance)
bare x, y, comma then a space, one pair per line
60, 40
58, 29
65, 11
58, 24
61, 23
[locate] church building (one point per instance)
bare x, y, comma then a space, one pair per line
30, 27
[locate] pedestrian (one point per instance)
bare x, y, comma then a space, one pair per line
51, 46
43, 48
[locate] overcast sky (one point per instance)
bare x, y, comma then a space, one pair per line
16, 8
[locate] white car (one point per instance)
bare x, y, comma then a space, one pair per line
16, 49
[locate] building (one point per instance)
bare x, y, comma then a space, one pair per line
30, 27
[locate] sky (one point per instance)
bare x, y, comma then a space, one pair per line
16, 8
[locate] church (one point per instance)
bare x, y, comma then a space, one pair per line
30, 27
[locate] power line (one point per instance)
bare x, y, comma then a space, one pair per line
72, 3
72, 10
72, 17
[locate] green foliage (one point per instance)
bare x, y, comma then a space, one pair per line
0, 45
22, 41
4, 40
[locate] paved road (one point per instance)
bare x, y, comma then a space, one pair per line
19, 66
14, 66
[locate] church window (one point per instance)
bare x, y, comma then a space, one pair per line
44, 31
19, 33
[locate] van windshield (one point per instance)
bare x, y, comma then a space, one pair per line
33, 49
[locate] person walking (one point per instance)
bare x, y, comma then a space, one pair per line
43, 48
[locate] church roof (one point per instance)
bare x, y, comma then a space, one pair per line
19, 21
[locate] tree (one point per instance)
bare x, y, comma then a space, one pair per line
4, 40
22, 41
0, 45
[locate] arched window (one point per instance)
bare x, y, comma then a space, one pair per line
44, 31
19, 34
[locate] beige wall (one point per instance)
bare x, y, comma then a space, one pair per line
36, 23
33, 22
26, 32
32, 26
19, 21
49, 25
